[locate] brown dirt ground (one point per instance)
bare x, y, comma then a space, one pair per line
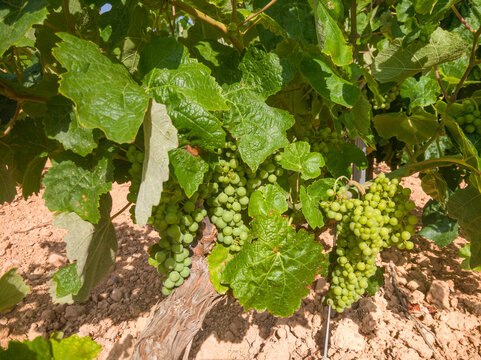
445, 299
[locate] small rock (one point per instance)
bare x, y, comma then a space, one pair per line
346, 336
46, 232
48, 315
103, 305
84, 330
438, 294
322, 285
281, 333
116, 294
416, 297
111, 333
56, 260
412, 285
74, 311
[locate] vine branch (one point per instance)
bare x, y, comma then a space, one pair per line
439, 83
66, 12
13, 120
7, 91
250, 17
461, 18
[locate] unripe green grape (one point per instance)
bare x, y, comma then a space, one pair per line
185, 273
168, 283
179, 266
179, 282
160, 256
166, 291
169, 263
174, 276
187, 262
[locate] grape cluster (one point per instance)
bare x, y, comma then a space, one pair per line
387, 99
232, 184
322, 138
380, 219
176, 219
470, 120
136, 157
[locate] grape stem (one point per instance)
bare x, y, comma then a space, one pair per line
250, 17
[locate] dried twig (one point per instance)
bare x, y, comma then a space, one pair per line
46, 223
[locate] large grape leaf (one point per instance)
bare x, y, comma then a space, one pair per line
189, 169
83, 348
310, 199
334, 42
421, 93
298, 157
195, 125
13, 289
8, 188
75, 184
435, 186
437, 226
160, 137
412, 129
328, 83
33, 174
339, 159
36, 349
465, 206
263, 201
359, 118
192, 80
424, 6
105, 95
261, 71
92, 246
275, 271
17, 17
258, 128
161, 53
398, 61
61, 124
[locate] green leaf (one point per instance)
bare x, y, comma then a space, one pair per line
13, 289
75, 184
261, 71
424, 6
189, 170
217, 260
435, 186
339, 159
16, 18
359, 118
66, 281
161, 53
328, 84
465, 206
195, 125
160, 137
92, 246
75, 348
275, 271
397, 61
32, 176
119, 111
437, 226
310, 199
334, 41
412, 129
61, 124
268, 198
297, 157
8, 189
375, 282
37, 349
259, 129
421, 93
191, 80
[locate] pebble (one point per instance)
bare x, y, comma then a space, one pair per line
117, 294
346, 336
281, 333
438, 294
48, 315
56, 260
74, 311
46, 232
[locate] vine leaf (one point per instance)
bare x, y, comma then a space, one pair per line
437, 226
310, 198
92, 246
191, 80
82, 347
259, 129
424, 6
32, 177
16, 18
375, 282
13, 288
8, 188
359, 119
61, 124
161, 53
339, 159
399, 125
328, 84
435, 186
217, 260
298, 157
421, 93
65, 282
160, 137
397, 61
189, 169
274, 272
119, 112
195, 125
334, 42
74, 184
269, 198
465, 206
